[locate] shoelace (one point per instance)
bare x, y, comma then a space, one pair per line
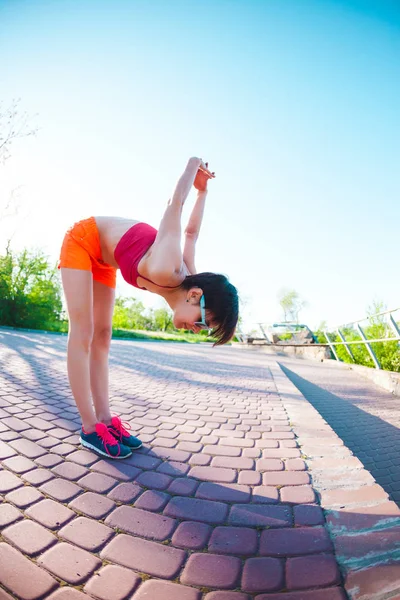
107, 438
122, 428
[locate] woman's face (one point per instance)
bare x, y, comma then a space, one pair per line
186, 315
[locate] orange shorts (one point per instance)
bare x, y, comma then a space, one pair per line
81, 250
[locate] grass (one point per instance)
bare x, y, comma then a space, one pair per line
190, 338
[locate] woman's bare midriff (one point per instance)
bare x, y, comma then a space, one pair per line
111, 230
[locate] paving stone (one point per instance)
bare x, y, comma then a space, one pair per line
260, 515
22, 577
368, 543
28, 448
237, 462
183, 486
97, 482
287, 478
300, 494
113, 583
141, 523
352, 519
61, 489
8, 514
25, 496
93, 505
50, 514
308, 514
233, 540
212, 570
86, 533
201, 460
249, 478
9, 482
15, 423
170, 454
378, 581
152, 500
270, 464
4, 595
265, 494
70, 470
67, 593
151, 590
49, 460
224, 492
125, 492
226, 596
263, 575
83, 457
295, 464
196, 510
19, 464
157, 481
335, 593
221, 450
191, 535
365, 495
69, 563
29, 537
144, 556
213, 474
173, 468
290, 542
305, 572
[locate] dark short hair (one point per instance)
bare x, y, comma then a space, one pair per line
221, 299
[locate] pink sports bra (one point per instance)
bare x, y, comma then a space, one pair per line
130, 250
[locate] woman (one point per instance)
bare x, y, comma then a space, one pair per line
92, 252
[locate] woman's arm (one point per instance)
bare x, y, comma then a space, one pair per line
192, 231
193, 227
165, 259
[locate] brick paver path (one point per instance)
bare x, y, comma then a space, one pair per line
217, 505
365, 416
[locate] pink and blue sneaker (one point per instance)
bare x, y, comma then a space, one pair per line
120, 431
104, 443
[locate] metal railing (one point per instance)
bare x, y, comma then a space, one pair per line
339, 329
364, 340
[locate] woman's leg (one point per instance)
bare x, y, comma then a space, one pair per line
103, 306
78, 290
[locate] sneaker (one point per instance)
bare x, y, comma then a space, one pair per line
104, 443
119, 431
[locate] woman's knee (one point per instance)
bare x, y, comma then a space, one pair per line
102, 337
81, 335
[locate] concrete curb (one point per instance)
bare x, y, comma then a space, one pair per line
363, 524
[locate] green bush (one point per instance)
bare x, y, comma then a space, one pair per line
30, 294
388, 353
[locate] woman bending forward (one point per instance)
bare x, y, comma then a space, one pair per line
92, 251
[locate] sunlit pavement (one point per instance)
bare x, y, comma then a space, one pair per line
241, 490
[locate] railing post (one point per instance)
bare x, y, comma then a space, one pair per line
263, 332
331, 347
393, 325
346, 345
371, 352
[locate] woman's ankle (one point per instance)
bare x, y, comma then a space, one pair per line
106, 419
88, 427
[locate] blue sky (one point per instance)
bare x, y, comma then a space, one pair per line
293, 103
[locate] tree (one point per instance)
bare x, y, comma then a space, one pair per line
291, 304
129, 314
14, 124
163, 318
30, 294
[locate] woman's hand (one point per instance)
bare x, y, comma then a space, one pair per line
202, 177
